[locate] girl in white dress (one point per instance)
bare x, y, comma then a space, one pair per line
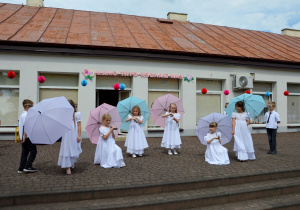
135, 141
215, 153
171, 138
243, 144
78, 121
68, 149
108, 154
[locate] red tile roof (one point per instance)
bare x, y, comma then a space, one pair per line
20, 23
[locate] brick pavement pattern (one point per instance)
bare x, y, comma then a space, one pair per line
155, 167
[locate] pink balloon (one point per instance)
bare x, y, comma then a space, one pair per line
116, 86
41, 79
226, 92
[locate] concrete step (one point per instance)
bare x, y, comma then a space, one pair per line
291, 201
187, 198
113, 192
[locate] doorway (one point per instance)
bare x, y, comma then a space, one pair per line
111, 97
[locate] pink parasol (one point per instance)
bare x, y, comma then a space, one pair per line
94, 121
161, 106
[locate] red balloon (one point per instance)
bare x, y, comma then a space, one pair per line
247, 91
41, 79
286, 93
11, 74
204, 91
116, 86
226, 92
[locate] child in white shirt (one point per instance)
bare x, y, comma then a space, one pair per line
27, 147
272, 118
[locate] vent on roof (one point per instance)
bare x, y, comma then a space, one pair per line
177, 16
290, 32
35, 3
164, 21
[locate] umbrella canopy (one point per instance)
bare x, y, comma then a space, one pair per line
125, 107
49, 120
254, 104
94, 121
161, 106
224, 127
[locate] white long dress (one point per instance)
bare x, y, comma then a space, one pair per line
108, 154
215, 153
171, 138
243, 144
136, 141
78, 119
68, 149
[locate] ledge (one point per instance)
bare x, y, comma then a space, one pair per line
7, 129
293, 126
161, 130
258, 126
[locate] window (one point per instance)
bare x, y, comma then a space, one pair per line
159, 87
9, 99
211, 101
293, 103
59, 85
260, 88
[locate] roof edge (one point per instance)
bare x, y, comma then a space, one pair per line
100, 51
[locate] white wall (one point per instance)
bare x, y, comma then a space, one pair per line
30, 65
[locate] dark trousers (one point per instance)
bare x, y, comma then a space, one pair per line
272, 138
27, 147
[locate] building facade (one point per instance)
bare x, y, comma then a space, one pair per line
148, 72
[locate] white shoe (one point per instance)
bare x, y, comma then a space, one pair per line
133, 155
140, 155
123, 165
170, 153
175, 153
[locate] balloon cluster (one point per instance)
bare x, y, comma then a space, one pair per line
118, 86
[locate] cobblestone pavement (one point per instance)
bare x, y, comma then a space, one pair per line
155, 167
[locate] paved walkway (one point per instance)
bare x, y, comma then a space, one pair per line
155, 167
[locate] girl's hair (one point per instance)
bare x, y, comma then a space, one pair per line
73, 105
138, 108
27, 102
105, 116
76, 104
240, 104
213, 125
170, 107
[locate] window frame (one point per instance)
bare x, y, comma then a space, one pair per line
58, 86
163, 90
17, 87
211, 92
292, 94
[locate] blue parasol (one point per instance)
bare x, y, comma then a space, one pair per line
125, 106
254, 104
